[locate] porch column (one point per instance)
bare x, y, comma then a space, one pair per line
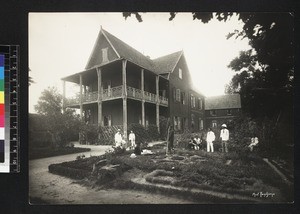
64, 96
99, 75
143, 98
157, 102
80, 95
124, 96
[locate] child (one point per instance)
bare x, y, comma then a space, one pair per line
192, 144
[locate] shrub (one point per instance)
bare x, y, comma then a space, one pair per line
143, 134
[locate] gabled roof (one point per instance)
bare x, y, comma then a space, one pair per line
127, 52
228, 101
166, 64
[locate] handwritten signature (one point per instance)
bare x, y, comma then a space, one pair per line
263, 194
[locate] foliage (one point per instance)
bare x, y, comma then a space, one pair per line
265, 74
63, 127
144, 135
88, 134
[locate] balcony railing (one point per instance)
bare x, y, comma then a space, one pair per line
111, 93
116, 92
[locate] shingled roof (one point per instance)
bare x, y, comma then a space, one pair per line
167, 63
228, 101
127, 52
159, 65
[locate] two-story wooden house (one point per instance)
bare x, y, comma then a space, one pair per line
120, 86
222, 109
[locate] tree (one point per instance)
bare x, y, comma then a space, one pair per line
264, 74
61, 125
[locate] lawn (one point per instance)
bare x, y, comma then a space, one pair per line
231, 173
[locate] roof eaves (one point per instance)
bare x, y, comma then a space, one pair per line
94, 48
177, 61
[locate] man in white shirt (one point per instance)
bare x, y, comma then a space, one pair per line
131, 139
118, 138
224, 135
210, 137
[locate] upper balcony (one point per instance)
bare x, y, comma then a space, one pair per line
116, 93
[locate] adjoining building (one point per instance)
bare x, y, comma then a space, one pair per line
121, 86
222, 109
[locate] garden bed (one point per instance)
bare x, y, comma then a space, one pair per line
230, 173
36, 153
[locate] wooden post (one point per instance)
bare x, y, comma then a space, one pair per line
99, 96
64, 96
157, 102
80, 96
143, 97
124, 96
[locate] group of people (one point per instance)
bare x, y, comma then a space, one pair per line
120, 141
196, 142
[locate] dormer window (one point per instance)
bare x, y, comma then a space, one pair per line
104, 55
180, 73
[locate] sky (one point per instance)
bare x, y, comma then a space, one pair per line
60, 45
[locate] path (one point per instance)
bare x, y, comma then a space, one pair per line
55, 189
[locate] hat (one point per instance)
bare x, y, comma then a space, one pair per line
224, 125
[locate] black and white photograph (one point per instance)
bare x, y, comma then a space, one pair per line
161, 108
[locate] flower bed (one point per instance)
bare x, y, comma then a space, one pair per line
230, 172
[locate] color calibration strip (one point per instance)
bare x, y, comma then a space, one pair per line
2, 109
9, 140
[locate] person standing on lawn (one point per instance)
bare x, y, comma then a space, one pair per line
224, 135
118, 139
131, 139
210, 137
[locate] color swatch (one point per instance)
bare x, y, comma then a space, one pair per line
2, 111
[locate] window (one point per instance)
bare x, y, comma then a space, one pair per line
174, 94
184, 123
104, 55
213, 112
107, 120
214, 124
177, 123
193, 101
88, 115
180, 73
200, 103
178, 98
183, 98
192, 121
200, 124
228, 111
